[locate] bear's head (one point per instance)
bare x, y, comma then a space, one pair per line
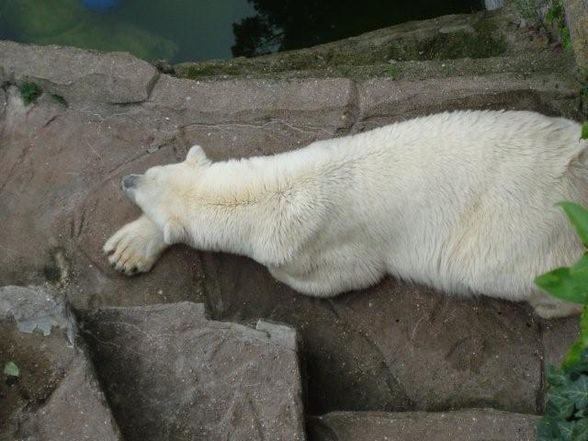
163, 192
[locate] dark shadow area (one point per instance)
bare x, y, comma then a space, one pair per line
287, 24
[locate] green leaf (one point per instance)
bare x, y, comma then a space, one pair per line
585, 130
576, 358
584, 331
574, 354
558, 404
569, 284
580, 432
555, 376
578, 392
578, 216
547, 429
565, 429
577, 370
11, 369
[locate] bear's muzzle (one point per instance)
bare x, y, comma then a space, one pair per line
129, 182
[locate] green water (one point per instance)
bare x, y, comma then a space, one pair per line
177, 30
194, 30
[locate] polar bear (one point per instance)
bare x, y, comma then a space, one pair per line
460, 201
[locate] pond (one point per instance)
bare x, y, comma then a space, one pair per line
196, 30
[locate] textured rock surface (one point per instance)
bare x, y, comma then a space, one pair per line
75, 411
577, 19
395, 346
469, 425
322, 102
465, 36
60, 200
381, 100
171, 374
556, 336
76, 74
55, 396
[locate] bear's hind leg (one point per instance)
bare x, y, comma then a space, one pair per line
549, 307
135, 247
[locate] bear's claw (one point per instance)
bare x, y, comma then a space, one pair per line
135, 247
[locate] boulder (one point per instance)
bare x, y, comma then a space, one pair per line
78, 75
51, 392
465, 425
60, 200
170, 373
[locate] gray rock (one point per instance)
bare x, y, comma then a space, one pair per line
558, 336
493, 4
75, 411
33, 308
2, 101
78, 75
170, 373
577, 19
395, 346
311, 103
55, 395
466, 425
460, 36
383, 101
60, 170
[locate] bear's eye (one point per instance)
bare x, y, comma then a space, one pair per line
152, 173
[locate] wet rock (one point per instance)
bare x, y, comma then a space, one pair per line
55, 395
170, 373
467, 425
78, 75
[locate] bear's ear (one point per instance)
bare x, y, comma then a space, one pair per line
196, 156
173, 232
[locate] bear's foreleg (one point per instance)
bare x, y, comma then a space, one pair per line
135, 247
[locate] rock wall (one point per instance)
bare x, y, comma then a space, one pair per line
393, 347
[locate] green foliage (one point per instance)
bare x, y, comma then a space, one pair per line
566, 410
555, 12
11, 369
567, 403
29, 92
574, 355
556, 16
585, 130
570, 283
59, 99
393, 71
566, 37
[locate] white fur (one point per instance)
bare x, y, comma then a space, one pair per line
462, 201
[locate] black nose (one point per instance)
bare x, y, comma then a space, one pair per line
129, 182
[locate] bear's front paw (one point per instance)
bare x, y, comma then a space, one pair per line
135, 247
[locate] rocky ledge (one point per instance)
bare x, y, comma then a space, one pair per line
396, 361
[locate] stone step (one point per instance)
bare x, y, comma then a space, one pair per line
166, 371
56, 395
524, 64
500, 34
465, 425
74, 156
170, 373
